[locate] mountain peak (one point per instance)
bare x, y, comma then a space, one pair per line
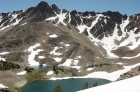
42, 11
43, 3
55, 8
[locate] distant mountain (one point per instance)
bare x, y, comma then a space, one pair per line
76, 39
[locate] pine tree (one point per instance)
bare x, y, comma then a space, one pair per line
85, 86
139, 68
58, 89
95, 84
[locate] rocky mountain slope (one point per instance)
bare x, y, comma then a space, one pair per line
45, 34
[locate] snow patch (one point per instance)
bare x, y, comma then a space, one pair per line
53, 36
78, 57
33, 52
60, 17
67, 63
13, 24
52, 18
21, 73
3, 53
41, 57
54, 51
89, 69
67, 45
81, 28
50, 73
23, 24
75, 62
57, 59
2, 86
77, 67
119, 63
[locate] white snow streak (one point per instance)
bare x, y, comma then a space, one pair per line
31, 57
3, 53
41, 57
54, 51
60, 17
53, 36
23, 24
89, 69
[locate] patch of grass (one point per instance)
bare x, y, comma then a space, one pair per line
38, 75
17, 89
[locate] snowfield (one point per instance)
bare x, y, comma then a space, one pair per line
127, 85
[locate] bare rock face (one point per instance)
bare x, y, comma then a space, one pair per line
41, 12
55, 8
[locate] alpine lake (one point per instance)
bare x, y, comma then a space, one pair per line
67, 85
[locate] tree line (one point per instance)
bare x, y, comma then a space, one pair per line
5, 65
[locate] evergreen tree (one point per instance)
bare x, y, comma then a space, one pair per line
58, 89
95, 84
139, 68
85, 86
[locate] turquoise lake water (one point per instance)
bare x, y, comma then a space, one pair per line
68, 85
42, 68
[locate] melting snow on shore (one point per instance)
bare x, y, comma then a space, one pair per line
104, 75
127, 85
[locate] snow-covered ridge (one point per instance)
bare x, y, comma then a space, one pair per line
11, 19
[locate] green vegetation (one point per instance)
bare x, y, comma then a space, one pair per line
85, 86
58, 89
56, 69
4, 65
17, 89
95, 84
38, 75
28, 69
